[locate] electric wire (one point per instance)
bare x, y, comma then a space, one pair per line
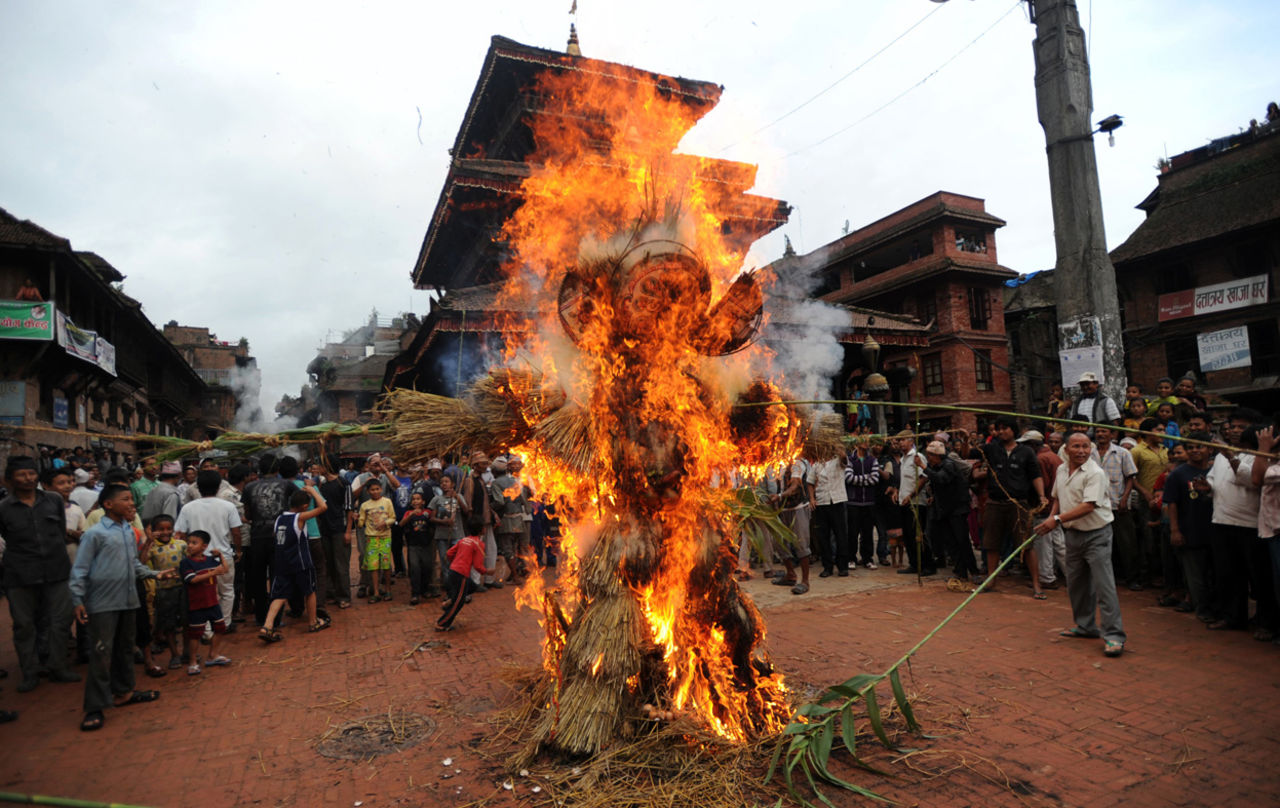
835, 83
900, 95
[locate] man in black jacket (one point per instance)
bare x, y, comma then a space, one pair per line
949, 512
36, 570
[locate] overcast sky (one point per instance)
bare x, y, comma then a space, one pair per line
260, 168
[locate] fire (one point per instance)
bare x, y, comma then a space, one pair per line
630, 250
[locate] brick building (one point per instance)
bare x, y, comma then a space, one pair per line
934, 261
80, 363
227, 369
1198, 276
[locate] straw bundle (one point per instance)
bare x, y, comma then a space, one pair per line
825, 439
425, 425
566, 435
512, 399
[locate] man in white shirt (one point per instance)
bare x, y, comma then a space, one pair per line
909, 484
220, 519
1082, 507
829, 520
1236, 501
84, 494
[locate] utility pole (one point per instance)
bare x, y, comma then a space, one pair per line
1088, 305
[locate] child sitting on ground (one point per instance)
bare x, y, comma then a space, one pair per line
105, 596
377, 515
293, 571
464, 556
166, 553
199, 571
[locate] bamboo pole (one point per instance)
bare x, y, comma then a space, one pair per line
1030, 416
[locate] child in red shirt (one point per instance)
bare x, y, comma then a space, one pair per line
464, 556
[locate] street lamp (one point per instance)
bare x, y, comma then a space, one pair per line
874, 385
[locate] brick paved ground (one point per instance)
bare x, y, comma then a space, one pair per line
1187, 717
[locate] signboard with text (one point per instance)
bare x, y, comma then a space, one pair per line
1221, 350
1236, 294
22, 320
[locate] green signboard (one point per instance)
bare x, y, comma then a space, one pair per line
22, 320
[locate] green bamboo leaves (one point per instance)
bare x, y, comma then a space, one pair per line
805, 745
757, 520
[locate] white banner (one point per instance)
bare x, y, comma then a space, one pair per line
1232, 294
1077, 361
1220, 350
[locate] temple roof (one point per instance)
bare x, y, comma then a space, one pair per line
1209, 192
488, 164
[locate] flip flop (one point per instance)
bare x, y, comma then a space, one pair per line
1078, 633
1113, 649
92, 721
799, 589
140, 697
1040, 596
155, 671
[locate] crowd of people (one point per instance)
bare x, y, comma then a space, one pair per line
1163, 503
148, 568
151, 567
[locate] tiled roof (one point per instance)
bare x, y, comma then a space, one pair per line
1222, 193
23, 233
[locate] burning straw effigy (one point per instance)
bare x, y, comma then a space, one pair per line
622, 397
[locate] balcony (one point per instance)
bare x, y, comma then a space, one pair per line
220, 377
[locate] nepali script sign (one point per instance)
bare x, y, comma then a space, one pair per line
22, 320
1218, 297
1220, 350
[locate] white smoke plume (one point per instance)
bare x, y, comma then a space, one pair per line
246, 383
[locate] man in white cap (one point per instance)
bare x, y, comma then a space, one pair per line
1092, 405
84, 494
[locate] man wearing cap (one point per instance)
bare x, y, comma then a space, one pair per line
36, 571
1082, 507
84, 494
949, 511
164, 498
508, 503
920, 558
1092, 405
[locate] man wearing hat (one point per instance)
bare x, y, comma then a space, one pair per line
1092, 405
949, 511
84, 494
509, 505
164, 498
36, 571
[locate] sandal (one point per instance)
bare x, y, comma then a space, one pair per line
1078, 632
344, 604
175, 663
1040, 596
193, 669
155, 671
92, 721
217, 661
319, 625
270, 635
783, 580
799, 589
140, 697
1113, 649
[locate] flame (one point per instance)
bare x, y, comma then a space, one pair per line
623, 244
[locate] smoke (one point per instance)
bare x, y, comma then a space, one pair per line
246, 383
802, 331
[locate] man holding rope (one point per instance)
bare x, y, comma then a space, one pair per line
1082, 506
